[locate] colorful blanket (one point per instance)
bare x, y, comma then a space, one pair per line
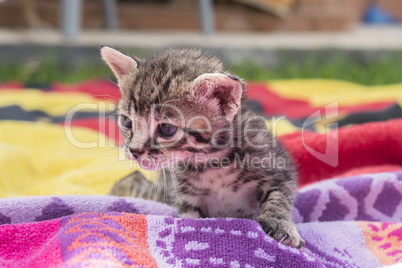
335, 217
39, 157
348, 211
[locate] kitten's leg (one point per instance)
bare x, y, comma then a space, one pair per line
136, 185
276, 220
188, 211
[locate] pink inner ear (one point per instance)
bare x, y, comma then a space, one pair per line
119, 63
223, 95
220, 90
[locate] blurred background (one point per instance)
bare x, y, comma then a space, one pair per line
42, 41
339, 61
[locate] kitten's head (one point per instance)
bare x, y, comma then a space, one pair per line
174, 106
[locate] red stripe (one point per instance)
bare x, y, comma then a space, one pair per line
11, 85
100, 89
273, 104
370, 145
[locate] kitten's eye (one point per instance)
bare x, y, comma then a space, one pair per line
126, 122
168, 130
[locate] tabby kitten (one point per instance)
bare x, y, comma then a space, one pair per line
183, 114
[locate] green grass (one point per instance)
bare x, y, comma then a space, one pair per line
385, 70
50, 70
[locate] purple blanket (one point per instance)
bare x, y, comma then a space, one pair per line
348, 222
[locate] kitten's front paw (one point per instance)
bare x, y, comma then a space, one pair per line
190, 214
284, 232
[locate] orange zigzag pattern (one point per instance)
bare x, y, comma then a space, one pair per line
132, 240
384, 240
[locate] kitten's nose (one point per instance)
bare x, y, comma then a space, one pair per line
137, 152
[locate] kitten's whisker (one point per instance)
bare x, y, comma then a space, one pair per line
115, 174
154, 189
165, 186
111, 81
175, 181
100, 154
108, 96
106, 117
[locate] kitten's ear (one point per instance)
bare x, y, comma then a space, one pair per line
119, 63
219, 91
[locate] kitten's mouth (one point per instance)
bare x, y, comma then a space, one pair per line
148, 163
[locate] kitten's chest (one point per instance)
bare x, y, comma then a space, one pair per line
223, 199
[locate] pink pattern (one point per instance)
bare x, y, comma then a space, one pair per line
385, 246
395, 252
30, 245
397, 233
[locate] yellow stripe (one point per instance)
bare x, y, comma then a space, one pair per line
38, 159
53, 103
320, 92
280, 126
